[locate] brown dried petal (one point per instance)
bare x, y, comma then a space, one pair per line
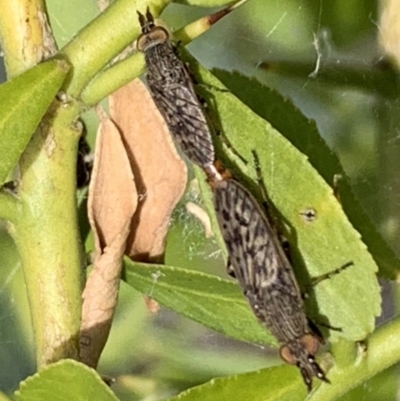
160, 174
111, 205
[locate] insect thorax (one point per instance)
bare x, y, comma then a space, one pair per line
152, 37
164, 67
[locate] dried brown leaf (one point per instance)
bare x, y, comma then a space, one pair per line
111, 205
160, 174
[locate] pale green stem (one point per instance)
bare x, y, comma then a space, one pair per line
45, 226
113, 78
132, 67
380, 351
101, 40
47, 236
21, 34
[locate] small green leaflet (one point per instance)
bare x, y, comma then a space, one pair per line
23, 102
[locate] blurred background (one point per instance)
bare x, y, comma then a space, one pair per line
319, 53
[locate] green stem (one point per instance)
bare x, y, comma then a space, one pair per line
47, 236
126, 70
113, 78
10, 207
44, 218
103, 39
382, 351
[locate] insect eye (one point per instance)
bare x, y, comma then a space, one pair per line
141, 42
287, 355
311, 344
159, 34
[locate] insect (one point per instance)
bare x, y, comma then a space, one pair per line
171, 88
258, 261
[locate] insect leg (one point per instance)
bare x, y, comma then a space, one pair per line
260, 180
224, 139
314, 328
229, 268
322, 277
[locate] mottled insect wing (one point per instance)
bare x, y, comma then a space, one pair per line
186, 121
249, 238
172, 90
260, 265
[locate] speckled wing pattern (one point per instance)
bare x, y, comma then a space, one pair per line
259, 262
172, 90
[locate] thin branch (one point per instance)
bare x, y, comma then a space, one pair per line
113, 78
48, 238
380, 351
107, 35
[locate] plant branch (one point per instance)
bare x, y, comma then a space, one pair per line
21, 34
113, 78
382, 351
132, 67
47, 234
107, 35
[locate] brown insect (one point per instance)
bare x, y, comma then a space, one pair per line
171, 88
258, 261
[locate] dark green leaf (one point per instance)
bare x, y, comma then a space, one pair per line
375, 78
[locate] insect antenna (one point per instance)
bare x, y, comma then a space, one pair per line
142, 19
149, 16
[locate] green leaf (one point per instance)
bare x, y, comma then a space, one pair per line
23, 102
210, 300
303, 134
295, 187
65, 381
281, 383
